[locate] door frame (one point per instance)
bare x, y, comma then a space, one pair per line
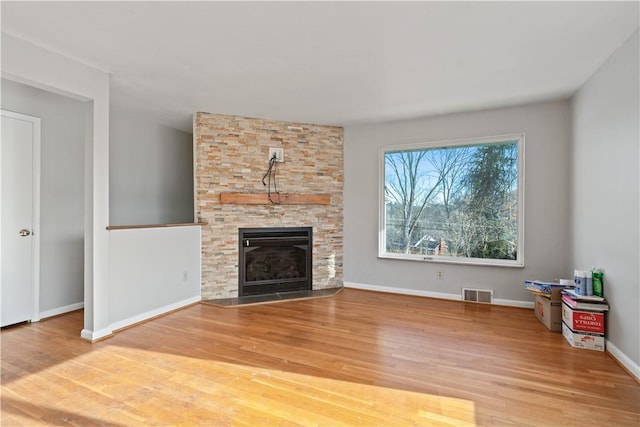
35, 241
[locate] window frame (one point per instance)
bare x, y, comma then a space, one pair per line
497, 139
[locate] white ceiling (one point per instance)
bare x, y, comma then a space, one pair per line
334, 63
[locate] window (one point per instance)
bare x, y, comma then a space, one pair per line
454, 201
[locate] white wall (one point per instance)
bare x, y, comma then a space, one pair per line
30, 64
34, 66
605, 188
151, 172
62, 192
151, 271
546, 251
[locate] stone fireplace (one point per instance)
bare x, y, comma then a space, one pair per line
231, 157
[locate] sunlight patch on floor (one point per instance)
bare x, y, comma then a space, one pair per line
122, 385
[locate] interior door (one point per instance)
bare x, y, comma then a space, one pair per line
19, 260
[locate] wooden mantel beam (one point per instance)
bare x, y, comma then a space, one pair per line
277, 199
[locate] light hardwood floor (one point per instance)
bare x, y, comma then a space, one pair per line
358, 358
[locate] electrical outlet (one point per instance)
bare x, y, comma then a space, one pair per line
278, 152
439, 275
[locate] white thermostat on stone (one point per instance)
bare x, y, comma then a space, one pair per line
278, 153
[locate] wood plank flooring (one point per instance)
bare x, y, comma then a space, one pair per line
358, 358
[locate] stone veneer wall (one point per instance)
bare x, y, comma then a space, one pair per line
232, 155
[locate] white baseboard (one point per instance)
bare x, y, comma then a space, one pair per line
93, 336
61, 310
514, 303
440, 295
153, 313
624, 360
402, 291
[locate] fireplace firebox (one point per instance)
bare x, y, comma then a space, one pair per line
274, 260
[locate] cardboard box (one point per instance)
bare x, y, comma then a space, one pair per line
549, 313
556, 294
587, 340
583, 321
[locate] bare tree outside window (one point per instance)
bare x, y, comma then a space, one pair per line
409, 188
456, 201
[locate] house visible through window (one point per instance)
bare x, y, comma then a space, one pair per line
454, 201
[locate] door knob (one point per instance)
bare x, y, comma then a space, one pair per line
24, 232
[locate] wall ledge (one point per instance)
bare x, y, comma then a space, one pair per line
131, 227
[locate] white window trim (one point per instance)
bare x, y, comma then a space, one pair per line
518, 263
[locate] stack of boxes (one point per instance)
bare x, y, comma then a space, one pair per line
583, 320
583, 310
574, 307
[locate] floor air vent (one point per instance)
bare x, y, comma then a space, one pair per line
477, 295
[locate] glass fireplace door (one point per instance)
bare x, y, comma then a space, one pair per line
274, 260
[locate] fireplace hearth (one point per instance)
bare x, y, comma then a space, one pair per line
274, 260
